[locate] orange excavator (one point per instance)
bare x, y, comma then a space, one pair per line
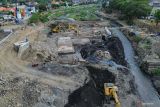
110, 91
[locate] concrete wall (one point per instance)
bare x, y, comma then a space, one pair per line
22, 49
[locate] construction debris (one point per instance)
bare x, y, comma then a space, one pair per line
103, 54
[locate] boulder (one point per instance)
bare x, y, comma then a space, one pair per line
156, 83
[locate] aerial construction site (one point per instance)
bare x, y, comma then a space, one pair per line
79, 54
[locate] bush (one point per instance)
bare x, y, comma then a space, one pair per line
147, 46
55, 6
108, 10
129, 22
44, 18
6, 12
137, 39
156, 72
39, 17
34, 18
42, 8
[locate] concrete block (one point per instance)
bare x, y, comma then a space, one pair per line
7, 30
82, 41
21, 46
65, 45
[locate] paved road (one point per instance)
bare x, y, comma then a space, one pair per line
144, 86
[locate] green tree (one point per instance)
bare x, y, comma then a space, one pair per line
43, 1
157, 16
4, 2
42, 7
131, 8
35, 18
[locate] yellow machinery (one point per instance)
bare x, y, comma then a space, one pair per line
111, 91
56, 29
62, 26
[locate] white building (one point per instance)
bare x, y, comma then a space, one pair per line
155, 3
83, 1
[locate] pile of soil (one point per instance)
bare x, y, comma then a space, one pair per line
115, 47
86, 96
91, 94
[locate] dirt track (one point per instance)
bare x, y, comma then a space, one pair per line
11, 64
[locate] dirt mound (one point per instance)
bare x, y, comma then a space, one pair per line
91, 94
41, 51
101, 76
86, 96
115, 47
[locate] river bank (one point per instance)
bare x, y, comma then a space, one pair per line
142, 82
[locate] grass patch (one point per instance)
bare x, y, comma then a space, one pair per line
137, 39
81, 12
39, 17
156, 71
146, 44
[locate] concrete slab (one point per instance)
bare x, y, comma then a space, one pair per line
65, 45
82, 41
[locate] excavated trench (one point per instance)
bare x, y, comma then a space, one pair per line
92, 93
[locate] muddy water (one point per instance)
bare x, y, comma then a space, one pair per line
144, 86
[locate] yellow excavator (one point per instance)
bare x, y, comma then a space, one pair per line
62, 26
110, 91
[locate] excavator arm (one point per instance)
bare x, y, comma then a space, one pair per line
111, 90
115, 96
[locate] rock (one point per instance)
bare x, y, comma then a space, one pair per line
156, 82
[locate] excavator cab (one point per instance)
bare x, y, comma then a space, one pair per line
110, 91
56, 29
